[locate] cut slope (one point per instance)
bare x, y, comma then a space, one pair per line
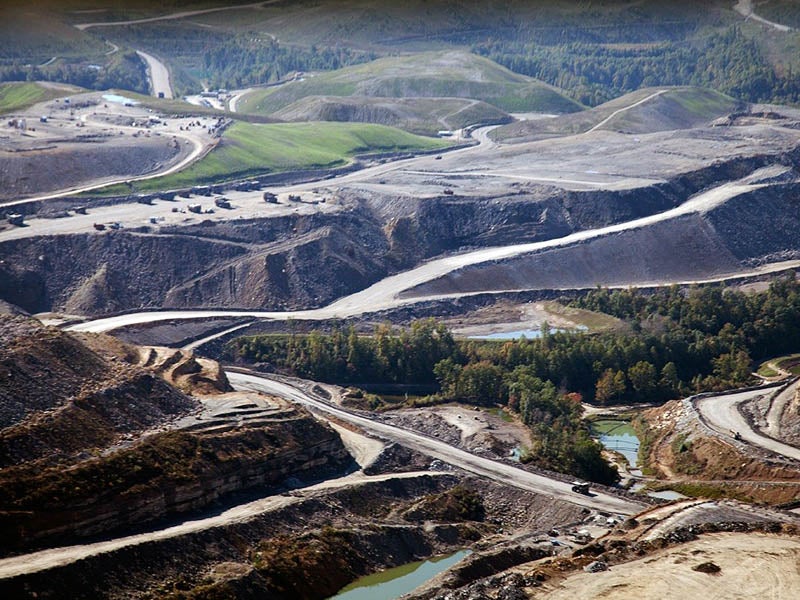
645, 111
93, 439
417, 115
433, 75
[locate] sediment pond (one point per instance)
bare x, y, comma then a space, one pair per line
618, 436
393, 583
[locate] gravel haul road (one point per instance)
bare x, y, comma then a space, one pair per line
721, 413
503, 473
159, 75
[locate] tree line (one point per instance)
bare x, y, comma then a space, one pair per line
221, 59
675, 342
126, 71
592, 72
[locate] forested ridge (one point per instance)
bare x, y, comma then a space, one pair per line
593, 73
222, 60
125, 71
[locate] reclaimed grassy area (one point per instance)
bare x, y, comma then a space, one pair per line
453, 74
16, 96
248, 149
593, 321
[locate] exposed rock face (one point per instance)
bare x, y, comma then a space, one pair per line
308, 549
91, 442
303, 261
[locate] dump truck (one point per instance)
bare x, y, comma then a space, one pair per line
195, 208
270, 198
580, 487
16, 219
222, 202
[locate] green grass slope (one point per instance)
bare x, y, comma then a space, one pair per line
248, 149
638, 112
424, 116
452, 74
16, 96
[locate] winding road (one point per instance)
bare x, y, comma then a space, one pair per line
389, 292
497, 471
722, 414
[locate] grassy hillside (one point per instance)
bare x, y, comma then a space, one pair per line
15, 96
452, 74
425, 116
250, 149
674, 108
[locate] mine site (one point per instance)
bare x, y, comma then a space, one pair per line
435, 301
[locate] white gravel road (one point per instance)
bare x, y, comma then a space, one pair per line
722, 414
501, 472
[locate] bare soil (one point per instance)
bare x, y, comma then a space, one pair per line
750, 565
684, 453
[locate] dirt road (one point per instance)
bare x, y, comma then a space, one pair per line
172, 16
111, 323
393, 291
56, 557
158, 74
745, 8
501, 472
622, 110
722, 414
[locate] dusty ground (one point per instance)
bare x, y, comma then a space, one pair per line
507, 316
88, 139
476, 430
751, 566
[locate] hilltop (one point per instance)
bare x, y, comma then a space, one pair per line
451, 74
425, 116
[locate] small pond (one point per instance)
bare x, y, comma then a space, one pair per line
393, 583
116, 98
667, 495
531, 334
618, 436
